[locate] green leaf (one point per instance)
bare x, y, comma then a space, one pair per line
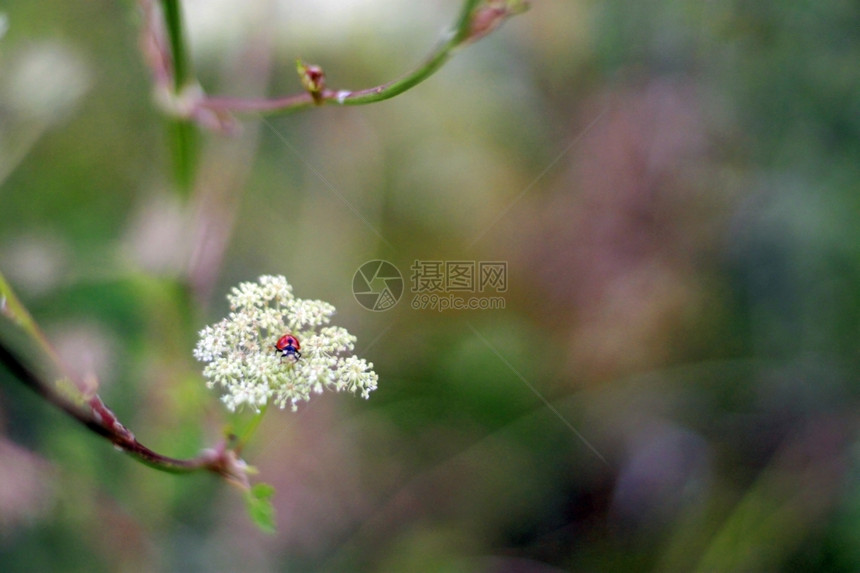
259, 500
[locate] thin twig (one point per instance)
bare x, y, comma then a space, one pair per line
96, 417
463, 32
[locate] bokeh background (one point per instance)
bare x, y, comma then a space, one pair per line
671, 385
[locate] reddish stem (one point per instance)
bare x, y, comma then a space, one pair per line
98, 418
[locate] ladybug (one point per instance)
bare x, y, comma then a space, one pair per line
288, 345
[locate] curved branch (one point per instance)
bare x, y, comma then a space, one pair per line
472, 24
98, 418
343, 97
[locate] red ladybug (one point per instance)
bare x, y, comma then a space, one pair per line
288, 345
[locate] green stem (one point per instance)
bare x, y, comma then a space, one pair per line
398, 86
173, 18
431, 65
245, 436
464, 21
12, 309
183, 132
184, 138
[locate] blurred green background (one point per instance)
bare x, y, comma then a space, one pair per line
670, 385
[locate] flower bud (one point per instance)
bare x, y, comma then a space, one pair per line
313, 80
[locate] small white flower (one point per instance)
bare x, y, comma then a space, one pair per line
241, 358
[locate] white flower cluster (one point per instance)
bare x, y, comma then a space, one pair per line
242, 359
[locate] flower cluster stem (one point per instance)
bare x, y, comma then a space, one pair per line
250, 429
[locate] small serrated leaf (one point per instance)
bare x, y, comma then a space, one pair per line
260, 508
